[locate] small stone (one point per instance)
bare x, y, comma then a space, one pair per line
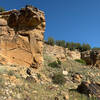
56, 98
28, 71
18, 96
65, 73
66, 97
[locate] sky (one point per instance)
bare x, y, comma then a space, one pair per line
69, 20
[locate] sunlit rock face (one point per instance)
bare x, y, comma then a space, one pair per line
63, 54
21, 37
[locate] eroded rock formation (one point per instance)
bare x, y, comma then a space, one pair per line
21, 37
58, 52
89, 88
86, 56
91, 57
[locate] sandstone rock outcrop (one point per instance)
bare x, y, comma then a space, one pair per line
73, 54
61, 53
56, 52
91, 57
21, 36
86, 56
90, 88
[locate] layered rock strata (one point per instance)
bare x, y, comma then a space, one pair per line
21, 37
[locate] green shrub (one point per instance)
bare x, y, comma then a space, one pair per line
2, 9
11, 73
58, 78
55, 64
80, 61
39, 76
59, 62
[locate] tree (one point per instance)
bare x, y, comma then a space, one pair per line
2, 9
78, 46
85, 47
71, 45
96, 48
68, 45
61, 43
57, 42
50, 41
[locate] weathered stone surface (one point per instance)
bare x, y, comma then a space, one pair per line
61, 53
89, 88
73, 54
91, 57
56, 52
86, 56
21, 36
66, 97
77, 77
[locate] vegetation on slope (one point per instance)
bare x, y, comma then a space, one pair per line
69, 45
2, 9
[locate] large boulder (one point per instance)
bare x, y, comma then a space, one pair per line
91, 57
86, 56
89, 88
21, 36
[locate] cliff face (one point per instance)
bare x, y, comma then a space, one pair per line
21, 37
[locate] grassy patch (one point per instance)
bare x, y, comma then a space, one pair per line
11, 73
3, 70
55, 64
80, 61
59, 78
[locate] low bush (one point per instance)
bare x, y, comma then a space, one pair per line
55, 64
30, 79
11, 73
59, 78
39, 76
80, 61
59, 62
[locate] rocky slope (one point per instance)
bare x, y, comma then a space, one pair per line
21, 37
21, 45
22, 83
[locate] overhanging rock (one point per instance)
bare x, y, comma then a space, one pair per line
21, 37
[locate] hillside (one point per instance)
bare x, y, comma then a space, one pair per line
33, 70
22, 83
